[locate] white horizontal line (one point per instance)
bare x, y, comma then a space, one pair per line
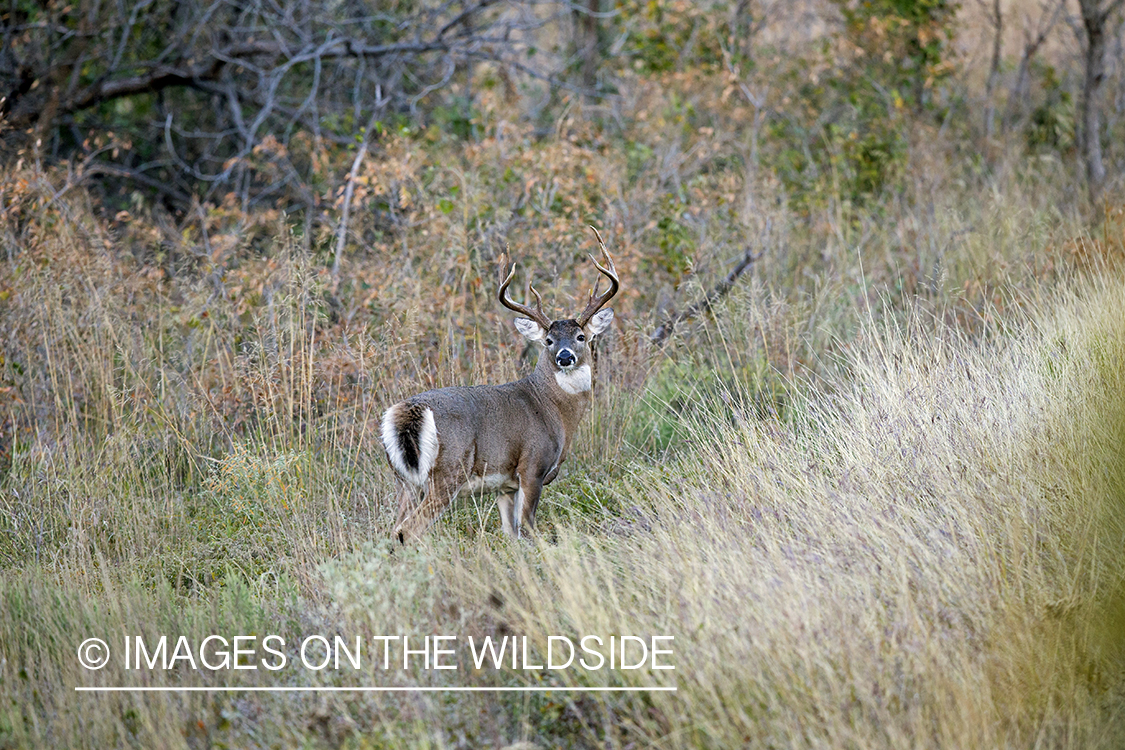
337, 689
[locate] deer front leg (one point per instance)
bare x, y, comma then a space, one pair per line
554, 472
528, 500
507, 502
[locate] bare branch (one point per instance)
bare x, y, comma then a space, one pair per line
133, 175
231, 73
342, 229
720, 290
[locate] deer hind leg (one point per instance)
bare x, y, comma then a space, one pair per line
439, 493
407, 500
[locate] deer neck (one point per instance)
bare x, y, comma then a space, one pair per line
569, 391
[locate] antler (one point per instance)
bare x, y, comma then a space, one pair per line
596, 302
536, 314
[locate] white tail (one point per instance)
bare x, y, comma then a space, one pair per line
410, 438
509, 438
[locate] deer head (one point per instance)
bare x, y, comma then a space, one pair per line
566, 342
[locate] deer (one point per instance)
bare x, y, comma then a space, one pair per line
507, 439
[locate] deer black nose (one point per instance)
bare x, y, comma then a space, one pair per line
565, 358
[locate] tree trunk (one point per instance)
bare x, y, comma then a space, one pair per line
1095, 19
994, 69
1091, 141
587, 42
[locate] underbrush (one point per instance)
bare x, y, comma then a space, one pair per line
876, 493
922, 551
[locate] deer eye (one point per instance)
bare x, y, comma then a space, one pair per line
581, 337
550, 343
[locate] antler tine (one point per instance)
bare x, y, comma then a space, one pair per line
598, 301
536, 314
538, 299
612, 271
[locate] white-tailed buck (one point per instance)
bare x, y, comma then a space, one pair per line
508, 439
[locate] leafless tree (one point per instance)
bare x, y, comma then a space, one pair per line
213, 91
586, 39
996, 19
1035, 33
1096, 15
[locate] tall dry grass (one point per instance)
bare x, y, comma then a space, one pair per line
914, 561
919, 551
878, 496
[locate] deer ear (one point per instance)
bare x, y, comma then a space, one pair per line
531, 330
600, 322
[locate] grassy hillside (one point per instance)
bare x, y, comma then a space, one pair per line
876, 494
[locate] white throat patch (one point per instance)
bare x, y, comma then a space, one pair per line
574, 381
